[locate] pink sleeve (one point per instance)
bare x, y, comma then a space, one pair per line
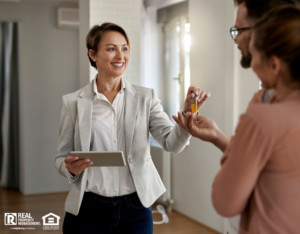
246, 156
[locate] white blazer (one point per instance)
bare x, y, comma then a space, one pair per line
143, 114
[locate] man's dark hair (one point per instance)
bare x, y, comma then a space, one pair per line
258, 8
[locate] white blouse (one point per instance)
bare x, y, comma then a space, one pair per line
108, 134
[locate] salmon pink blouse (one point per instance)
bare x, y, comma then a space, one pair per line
260, 174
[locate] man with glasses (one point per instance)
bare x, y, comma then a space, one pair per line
247, 13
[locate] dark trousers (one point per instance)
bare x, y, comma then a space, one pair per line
98, 214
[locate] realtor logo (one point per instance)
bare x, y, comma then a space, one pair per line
10, 219
51, 219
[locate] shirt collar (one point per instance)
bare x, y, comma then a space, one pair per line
96, 90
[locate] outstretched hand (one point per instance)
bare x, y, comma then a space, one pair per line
203, 128
198, 126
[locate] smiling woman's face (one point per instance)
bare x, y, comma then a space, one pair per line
113, 54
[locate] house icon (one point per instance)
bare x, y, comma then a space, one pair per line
51, 219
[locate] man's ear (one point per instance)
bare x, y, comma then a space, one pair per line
275, 65
92, 54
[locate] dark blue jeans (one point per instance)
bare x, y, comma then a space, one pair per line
98, 214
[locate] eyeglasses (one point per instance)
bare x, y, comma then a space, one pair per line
234, 31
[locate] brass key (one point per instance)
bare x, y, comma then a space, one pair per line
193, 103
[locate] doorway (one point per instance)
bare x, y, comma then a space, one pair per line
177, 63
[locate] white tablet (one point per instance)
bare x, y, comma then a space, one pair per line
102, 159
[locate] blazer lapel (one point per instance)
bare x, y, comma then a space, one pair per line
85, 108
131, 102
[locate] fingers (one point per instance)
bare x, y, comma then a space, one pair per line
76, 166
176, 119
197, 118
76, 169
80, 162
70, 159
180, 120
82, 166
191, 90
199, 94
190, 119
202, 101
73, 160
207, 95
196, 91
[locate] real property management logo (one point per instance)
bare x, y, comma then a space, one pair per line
10, 219
19, 219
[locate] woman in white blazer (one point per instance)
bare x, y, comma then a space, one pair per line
111, 114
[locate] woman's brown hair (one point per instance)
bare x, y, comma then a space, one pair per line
96, 33
278, 34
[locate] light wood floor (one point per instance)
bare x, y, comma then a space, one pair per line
10, 200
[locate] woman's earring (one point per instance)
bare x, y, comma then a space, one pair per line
94, 60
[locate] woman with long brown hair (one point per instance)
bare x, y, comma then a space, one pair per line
260, 174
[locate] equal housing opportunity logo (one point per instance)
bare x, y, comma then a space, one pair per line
51, 222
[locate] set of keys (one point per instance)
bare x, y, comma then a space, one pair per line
193, 103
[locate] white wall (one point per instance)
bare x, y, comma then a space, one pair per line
127, 14
48, 69
152, 52
84, 26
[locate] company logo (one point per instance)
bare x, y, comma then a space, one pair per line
10, 219
51, 222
